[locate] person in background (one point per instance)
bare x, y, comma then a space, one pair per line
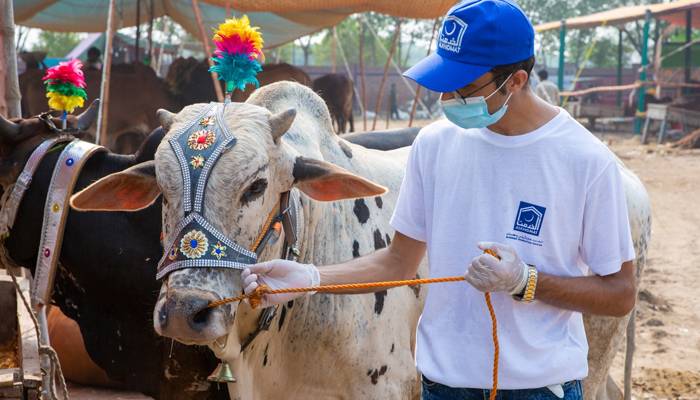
393, 102
547, 90
94, 58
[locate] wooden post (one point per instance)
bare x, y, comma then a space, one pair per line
417, 97
639, 117
10, 95
619, 67
386, 71
150, 33
334, 43
205, 42
562, 51
363, 88
137, 55
102, 116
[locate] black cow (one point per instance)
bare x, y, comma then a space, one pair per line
106, 281
337, 91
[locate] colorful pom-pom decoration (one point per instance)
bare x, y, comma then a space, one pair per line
65, 87
238, 53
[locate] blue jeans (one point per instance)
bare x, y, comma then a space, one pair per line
436, 391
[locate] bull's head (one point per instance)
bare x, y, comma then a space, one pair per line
19, 137
243, 189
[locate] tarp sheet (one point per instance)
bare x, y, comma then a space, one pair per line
280, 21
673, 12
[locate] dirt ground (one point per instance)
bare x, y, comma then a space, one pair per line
667, 360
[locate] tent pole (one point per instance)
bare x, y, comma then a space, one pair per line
619, 66
137, 54
386, 71
639, 118
417, 96
11, 95
562, 51
363, 88
207, 50
102, 116
688, 49
228, 8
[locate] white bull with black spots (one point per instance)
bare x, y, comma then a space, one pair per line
322, 346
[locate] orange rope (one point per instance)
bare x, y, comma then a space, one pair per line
255, 299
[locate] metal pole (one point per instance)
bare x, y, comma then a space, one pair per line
363, 88
642, 75
418, 89
207, 50
562, 51
688, 49
386, 71
9, 54
137, 56
102, 116
619, 67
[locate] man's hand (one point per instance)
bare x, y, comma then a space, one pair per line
279, 274
489, 274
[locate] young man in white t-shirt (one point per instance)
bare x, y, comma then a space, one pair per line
508, 172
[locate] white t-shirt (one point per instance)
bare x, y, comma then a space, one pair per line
555, 195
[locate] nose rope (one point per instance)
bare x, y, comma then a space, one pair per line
255, 299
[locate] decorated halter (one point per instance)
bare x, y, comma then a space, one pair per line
198, 146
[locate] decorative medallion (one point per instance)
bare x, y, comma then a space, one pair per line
194, 244
197, 161
201, 139
47, 252
55, 207
218, 251
69, 162
173, 253
207, 121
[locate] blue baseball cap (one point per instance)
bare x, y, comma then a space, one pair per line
476, 35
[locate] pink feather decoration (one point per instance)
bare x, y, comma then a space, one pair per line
235, 45
67, 72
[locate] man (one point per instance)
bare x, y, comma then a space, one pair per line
510, 173
393, 102
94, 58
547, 91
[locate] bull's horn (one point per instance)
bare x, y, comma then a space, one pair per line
166, 118
281, 122
87, 117
8, 129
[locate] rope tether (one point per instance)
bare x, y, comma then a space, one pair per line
255, 299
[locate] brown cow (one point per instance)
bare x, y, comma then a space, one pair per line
337, 91
190, 81
136, 93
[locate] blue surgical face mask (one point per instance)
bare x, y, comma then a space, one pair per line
473, 112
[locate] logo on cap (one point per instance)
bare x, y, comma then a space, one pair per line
451, 34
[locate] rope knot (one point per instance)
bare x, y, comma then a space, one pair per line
255, 298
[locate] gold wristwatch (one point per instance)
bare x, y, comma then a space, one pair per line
528, 293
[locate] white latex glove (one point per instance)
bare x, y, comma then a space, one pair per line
279, 274
489, 274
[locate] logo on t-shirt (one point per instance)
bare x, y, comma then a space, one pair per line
529, 218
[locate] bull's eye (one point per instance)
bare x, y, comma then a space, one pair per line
255, 190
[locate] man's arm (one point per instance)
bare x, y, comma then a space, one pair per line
612, 295
397, 262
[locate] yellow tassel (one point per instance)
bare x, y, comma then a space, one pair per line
60, 102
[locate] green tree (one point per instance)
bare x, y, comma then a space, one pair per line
57, 44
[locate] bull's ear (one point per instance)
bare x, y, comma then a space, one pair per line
133, 189
324, 181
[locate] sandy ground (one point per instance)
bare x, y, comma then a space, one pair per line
667, 360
